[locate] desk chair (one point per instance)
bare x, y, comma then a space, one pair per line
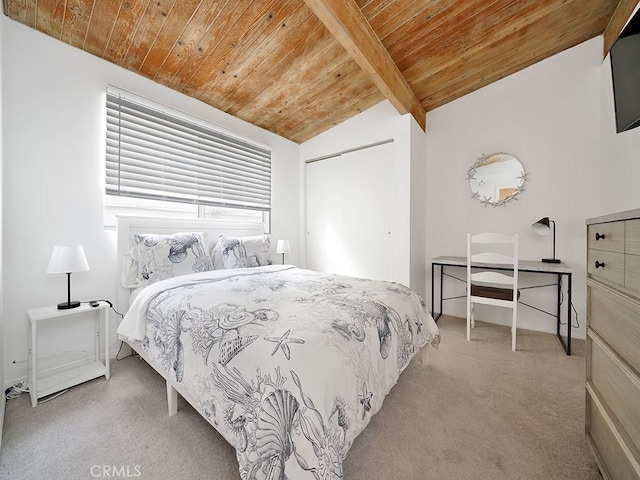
492, 288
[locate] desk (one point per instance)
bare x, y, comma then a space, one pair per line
558, 269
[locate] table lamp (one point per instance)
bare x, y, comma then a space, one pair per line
68, 259
542, 227
283, 247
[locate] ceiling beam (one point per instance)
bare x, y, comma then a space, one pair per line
619, 19
349, 26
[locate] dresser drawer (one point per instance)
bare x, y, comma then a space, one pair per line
632, 237
615, 319
618, 462
613, 269
632, 272
617, 386
613, 240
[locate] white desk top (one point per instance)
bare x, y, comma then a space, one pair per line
524, 265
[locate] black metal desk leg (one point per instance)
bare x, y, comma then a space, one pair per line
558, 304
433, 299
432, 290
569, 315
441, 287
566, 345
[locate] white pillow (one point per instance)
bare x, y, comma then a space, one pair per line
159, 257
242, 252
129, 272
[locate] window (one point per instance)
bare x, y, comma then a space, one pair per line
160, 160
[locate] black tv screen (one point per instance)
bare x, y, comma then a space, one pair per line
625, 70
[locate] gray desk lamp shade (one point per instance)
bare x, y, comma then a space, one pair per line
283, 247
68, 259
543, 227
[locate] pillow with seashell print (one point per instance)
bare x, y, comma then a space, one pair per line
242, 252
158, 257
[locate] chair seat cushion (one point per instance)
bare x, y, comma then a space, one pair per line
493, 292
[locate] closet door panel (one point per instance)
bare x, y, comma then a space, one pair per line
324, 216
349, 212
367, 195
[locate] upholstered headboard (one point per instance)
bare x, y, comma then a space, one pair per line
129, 225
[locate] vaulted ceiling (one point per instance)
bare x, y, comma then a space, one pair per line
299, 67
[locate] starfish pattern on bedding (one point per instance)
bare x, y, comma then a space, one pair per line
282, 343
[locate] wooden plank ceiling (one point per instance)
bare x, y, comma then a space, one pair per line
275, 64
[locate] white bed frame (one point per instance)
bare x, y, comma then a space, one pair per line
127, 227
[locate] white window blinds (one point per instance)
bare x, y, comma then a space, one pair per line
157, 155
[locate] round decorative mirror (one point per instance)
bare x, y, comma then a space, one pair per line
496, 179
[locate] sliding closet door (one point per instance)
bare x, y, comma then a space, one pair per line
349, 207
366, 207
324, 218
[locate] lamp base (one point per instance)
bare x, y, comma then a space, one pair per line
68, 305
551, 260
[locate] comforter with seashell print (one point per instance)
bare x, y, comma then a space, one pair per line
287, 364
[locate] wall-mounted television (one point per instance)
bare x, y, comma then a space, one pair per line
625, 71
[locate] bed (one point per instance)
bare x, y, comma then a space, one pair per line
287, 364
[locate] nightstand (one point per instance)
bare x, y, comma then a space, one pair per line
73, 376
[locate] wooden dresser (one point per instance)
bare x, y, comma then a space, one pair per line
613, 343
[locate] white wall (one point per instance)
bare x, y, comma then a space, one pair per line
2, 398
548, 116
54, 126
419, 262
378, 124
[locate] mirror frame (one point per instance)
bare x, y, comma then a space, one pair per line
488, 201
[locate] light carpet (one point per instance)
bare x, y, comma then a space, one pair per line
477, 411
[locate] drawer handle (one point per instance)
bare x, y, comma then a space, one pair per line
599, 236
599, 264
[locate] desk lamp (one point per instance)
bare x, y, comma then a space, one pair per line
542, 227
68, 259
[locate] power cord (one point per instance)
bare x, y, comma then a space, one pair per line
121, 316
23, 387
133, 353
51, 397
120, 349
16, 390
577, 325
108, 302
